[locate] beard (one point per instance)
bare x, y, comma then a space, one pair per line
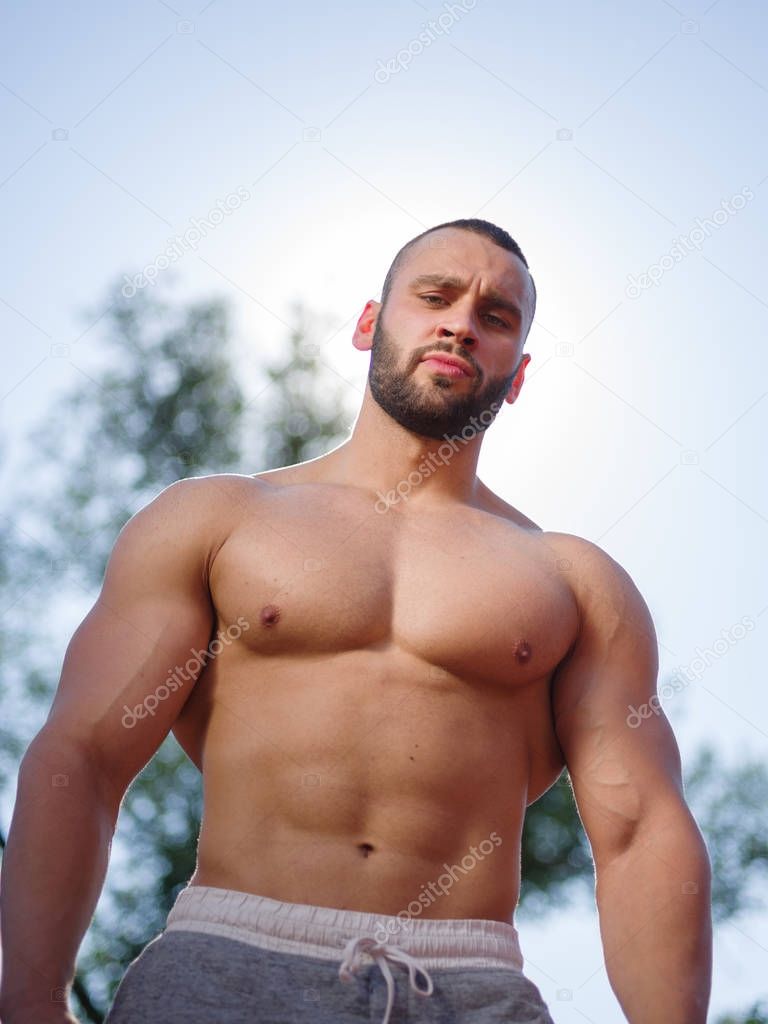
431, 408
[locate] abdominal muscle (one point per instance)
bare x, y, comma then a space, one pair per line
366, 781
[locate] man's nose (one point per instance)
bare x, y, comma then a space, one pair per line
459, 327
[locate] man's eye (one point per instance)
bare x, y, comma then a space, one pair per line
439, 298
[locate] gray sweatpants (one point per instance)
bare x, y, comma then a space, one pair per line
228, 957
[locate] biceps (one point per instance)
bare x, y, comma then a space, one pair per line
621, 777
126, 676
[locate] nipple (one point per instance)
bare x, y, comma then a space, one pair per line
523, 651
270, 614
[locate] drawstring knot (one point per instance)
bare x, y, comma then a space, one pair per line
382, 952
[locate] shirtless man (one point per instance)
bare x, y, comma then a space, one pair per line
398, 663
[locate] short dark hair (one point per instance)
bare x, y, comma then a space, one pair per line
480, 227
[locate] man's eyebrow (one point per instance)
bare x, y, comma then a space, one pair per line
493, 298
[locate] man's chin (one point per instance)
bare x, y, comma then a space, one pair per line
436, 428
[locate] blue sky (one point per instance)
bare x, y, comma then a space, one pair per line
622, 145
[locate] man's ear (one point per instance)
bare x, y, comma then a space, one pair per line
517, 383
362, 339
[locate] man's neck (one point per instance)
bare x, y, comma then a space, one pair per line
387, 458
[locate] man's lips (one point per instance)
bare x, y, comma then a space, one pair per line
452, 366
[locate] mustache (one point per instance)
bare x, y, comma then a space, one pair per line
448, 350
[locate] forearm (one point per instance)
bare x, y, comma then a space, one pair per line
655, 922
53, 871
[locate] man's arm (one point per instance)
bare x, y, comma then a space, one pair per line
652, 869
154, 607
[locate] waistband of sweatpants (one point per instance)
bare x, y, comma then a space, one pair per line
323, 932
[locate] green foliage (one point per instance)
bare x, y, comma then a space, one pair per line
306, 413
555, 851
156, 843
23, 668
756, 1014
168, 404
731, 806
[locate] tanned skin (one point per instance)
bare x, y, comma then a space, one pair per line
400, 679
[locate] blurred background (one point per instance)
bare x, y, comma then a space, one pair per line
198, 200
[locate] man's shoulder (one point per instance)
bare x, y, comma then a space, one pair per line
194, 516
209, 493
605, 592
589, 561
198, 506
567, 547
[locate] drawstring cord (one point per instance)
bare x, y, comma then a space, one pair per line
381, 953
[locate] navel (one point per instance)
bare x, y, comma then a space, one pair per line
365, 848
523, 651
270, 615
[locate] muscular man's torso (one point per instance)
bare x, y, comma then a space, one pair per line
381, 706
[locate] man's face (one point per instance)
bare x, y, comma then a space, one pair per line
459, 294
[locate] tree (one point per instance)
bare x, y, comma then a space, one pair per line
730, 805
555, 856
756, 1014
168, 404
306, 415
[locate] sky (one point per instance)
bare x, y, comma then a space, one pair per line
287, 152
